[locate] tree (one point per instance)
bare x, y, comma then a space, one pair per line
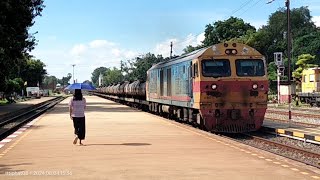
143, 64
308, 44
272, 37
304, 61
49, 82
64, 81
16, 17
112, 76
34, 72
137, 69
222, 31
190, 48
96, 73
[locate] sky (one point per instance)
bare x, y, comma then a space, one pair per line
91, 34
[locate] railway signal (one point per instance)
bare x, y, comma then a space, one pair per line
280, 70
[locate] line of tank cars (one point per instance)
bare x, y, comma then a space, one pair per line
221, 88
135, 89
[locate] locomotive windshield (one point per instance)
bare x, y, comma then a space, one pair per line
250, 67
216, 68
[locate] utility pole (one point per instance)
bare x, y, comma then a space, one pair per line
171, 50
73, 72
289, 58
289, 55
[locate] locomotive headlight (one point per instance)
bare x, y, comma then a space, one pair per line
254, 86
214, 86
234, 51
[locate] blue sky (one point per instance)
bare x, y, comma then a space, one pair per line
98, 33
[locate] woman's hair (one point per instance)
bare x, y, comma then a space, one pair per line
77, 95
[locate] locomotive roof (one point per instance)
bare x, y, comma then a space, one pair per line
245, 49
189, 56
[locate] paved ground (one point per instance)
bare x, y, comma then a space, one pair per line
123, 143
20, 105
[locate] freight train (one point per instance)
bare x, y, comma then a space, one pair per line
221, 88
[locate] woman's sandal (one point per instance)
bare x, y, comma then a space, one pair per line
75, 140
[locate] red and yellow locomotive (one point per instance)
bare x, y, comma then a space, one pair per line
222, 88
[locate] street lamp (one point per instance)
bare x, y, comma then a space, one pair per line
289, 58
73, 72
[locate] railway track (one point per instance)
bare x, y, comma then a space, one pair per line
13, 121
293, 149
298, 114
298, 118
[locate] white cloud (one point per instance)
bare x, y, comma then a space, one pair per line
178, 45
100, 44
316, 20
116, 52
78, 49
91, 55
85, 56
257, 24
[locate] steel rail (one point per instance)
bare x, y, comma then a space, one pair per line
23, 118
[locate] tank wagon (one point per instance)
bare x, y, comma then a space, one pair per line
221, 88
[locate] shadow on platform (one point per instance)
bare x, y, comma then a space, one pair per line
123, 144
7, 168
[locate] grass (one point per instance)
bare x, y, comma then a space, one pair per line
3, 102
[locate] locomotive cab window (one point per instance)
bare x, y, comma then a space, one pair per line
250, 67
216, 68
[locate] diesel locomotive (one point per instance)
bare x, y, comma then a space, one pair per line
221, 88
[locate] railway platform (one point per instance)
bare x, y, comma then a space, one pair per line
125, 143
299, 131
5, 109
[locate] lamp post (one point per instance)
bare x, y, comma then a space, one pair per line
73, 72
289, 57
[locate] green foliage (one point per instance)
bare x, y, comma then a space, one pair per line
222, 31
96, 73
272, 37
12, 86
143, 64
34, 72
272, 71
304, 61
49, 82
190, 48
137, 69
308, 44
16, 17
65, 80
272, 76
112, 76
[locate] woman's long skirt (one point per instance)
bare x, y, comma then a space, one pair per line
79, 124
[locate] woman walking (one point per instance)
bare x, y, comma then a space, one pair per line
77, 106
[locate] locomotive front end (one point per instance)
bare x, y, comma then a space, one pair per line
230, 88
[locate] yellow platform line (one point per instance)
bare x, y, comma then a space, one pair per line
298, 134
317, 138
281, 131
